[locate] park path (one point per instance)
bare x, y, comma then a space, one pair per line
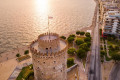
107, 49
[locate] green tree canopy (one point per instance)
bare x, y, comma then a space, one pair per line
88, 44
117, 47
77, 32
111, 47
71, 51
87, 34
81, 53
116, 57
26, 52
102, 53
79, 41
70, 39
18, 55
87, 39
72, 35
82, 33
84, 46
63, 37
70, 62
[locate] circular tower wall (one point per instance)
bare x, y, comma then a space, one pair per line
49, 64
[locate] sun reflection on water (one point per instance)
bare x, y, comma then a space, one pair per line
42, 7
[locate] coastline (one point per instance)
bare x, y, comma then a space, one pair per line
12, 54
8, 60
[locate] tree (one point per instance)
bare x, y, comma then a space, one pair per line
71, 51
81, 53
102, 53
79, 41
87, 39
63, 37
77, 32
100, 30
70, 39
70, 62
82, 33
116, 57
87, 34
18, 55
88, 44
111, 47
72, 35
26, 52
117, 47
84, 46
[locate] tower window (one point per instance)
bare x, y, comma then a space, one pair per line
54, 61
42, 73
44, 62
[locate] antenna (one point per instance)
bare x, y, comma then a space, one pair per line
49, 17
48, 28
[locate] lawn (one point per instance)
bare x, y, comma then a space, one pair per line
112, 52
26, 73
80, 37
23, 58
112, 43
107, 58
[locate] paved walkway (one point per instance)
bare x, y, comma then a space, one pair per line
7, 67
115, 73
81, 70
107, 49
12, 54
18, 69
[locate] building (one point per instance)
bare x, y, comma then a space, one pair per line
49, 57
106, 5
112, 23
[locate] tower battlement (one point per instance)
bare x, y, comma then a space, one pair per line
49, 54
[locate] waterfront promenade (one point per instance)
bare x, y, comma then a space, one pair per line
95, 67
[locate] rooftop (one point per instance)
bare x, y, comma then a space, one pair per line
48, 37
63, 44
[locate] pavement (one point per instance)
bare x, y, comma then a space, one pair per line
115, 73
81, 70
95, 65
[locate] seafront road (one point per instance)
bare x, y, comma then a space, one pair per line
95, 66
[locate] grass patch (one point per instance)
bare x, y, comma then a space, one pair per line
112, 43
112, 52
107, 58
84, 62
23, 58
80, 37
26, 73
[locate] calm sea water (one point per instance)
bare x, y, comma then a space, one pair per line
21, 21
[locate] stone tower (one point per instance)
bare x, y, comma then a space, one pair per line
49, 57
